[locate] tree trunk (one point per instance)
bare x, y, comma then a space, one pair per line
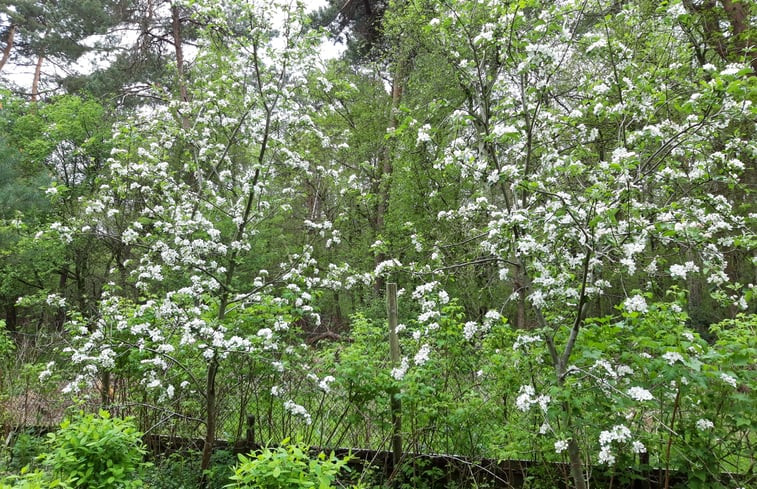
8, 46
11, 317
576, 464
177, 44
738, 16
37, 75
734, 47
210, 420
386, 168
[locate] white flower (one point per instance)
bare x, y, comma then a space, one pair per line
543, 402
422, 356
423, 135
469, 330
398, 373
672, 357
324, 383
523, 340
728, 379
624, 370
298, 410
265, 333
640, 394
606, 456
638, 447
731, 69
618, 433
681, 271
636, 303
524, 399
561, 446
704, 424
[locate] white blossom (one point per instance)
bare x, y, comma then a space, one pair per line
561, 446
704, 424
298, 410
636, 303
422, 356
728, 379
672, 357
398, 373
469, 330
640, 394
324, 384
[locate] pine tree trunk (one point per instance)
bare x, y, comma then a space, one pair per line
8, 46
37, 75
177, 44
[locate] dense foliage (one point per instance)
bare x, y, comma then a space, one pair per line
563, 191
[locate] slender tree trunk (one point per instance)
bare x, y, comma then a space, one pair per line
105, 396
576, 463
177, 44
8, 46
386, 168
210, 420
37, 75
11, 317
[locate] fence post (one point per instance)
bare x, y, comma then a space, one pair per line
394, 348
250, 435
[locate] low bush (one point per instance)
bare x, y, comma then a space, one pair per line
89, 451
286, 467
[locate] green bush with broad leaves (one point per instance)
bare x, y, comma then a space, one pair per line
88, 451
289, 466
96, 451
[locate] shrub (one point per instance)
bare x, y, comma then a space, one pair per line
25, 450
286, 467
96, 451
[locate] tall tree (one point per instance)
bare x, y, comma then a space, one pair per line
582, 149
55, 31
197, 187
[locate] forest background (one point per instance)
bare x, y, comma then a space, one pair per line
203, 227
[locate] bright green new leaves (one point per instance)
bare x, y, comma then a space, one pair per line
96, 451
89, 451
288, 466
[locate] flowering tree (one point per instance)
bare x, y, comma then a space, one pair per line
191, 188
559, 168
595, 168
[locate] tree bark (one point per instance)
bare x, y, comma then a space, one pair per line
177, 44
743, 44
210, 420
11, 317
576, 464
8, 46
736, 46
37, 75
386, 167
